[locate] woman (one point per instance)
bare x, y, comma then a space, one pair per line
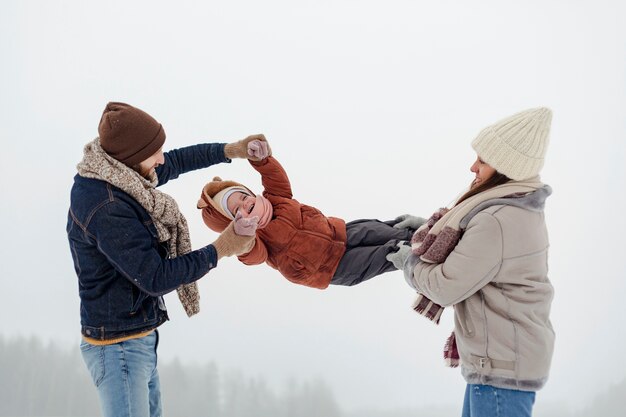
488, 257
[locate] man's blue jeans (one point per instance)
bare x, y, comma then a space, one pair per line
126, 376
488, 401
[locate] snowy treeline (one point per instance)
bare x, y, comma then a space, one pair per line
43, 381
38, 380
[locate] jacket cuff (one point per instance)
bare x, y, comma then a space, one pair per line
210, 256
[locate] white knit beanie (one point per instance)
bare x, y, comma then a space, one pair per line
516, 146
221, 199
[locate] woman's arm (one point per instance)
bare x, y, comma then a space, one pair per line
472, 264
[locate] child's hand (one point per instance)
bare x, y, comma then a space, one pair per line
258, 150
246, 226
240, 148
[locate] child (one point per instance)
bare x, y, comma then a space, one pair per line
304, 245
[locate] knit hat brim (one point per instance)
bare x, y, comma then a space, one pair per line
148, 150
221, 199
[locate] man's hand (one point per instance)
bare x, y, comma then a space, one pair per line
231, 243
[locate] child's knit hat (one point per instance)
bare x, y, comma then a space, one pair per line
516, 146
212, 202
221, 199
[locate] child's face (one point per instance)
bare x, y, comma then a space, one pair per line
240, 202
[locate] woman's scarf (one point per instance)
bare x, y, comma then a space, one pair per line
438, 237
170, 223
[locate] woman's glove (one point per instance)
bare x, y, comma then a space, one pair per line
406, 221
399, 257
404, 260
238, 238
240, 149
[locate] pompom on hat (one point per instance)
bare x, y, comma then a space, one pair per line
129, 134
516, 146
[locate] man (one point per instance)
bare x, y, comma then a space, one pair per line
130, 246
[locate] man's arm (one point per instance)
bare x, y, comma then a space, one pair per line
179, 161
190, 158
128, 246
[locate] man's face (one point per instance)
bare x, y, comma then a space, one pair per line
148, 165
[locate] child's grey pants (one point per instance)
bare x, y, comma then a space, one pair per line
369, 242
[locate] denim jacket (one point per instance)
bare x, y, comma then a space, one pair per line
123, 271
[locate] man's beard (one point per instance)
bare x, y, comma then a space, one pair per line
148, 173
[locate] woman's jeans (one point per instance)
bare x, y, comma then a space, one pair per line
126, 376
488, 401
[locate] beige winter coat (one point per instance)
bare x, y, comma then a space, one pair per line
496, 279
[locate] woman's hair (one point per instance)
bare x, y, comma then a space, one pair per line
493, 181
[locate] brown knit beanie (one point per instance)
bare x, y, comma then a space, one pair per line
128, 134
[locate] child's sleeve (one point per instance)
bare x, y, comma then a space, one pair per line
273, 177
256, 256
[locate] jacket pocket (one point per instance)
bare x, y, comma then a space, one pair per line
465, 319
137, 299
293, 269
303, 255
161, 247
309, 249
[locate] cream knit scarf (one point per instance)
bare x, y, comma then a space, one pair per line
170, 223
437, 238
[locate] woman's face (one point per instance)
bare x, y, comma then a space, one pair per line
482, 170
240, 202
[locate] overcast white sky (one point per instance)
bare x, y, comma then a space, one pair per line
371, 108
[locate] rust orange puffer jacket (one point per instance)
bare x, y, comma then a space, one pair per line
300, 242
